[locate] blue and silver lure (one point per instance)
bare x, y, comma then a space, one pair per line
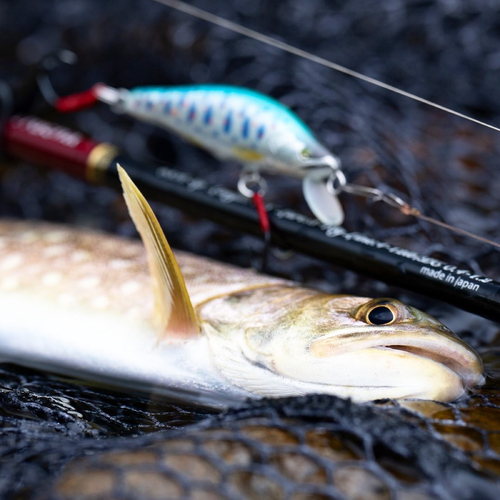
234, 123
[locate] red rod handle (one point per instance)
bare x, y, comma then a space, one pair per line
34, 140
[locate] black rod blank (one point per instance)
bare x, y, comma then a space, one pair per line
354, 251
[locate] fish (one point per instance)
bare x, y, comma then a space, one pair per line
107, 309
236, 123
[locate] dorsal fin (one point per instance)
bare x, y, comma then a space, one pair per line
174, 312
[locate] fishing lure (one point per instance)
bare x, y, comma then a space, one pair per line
241, 124
235, 123
81, 303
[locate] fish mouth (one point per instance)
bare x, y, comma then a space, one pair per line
441, 347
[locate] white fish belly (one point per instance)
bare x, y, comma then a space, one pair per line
80, 303
108, 349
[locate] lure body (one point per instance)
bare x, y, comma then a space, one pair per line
244, 125
230, 122
98, 307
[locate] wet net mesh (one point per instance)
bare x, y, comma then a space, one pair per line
132, 446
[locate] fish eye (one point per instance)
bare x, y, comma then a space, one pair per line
382, 312
381, 315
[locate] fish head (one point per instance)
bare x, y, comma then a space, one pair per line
356, 347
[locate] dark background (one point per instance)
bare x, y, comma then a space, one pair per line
446, 51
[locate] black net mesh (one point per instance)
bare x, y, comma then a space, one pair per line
447, 51
310, 447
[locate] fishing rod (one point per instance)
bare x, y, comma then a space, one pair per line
53, 146
176, 109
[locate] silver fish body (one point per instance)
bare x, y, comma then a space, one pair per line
81, 303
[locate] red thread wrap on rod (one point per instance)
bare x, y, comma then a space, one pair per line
258, 201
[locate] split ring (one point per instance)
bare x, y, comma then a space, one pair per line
251, 183
336, 182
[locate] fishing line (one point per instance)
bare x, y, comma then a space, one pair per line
405, 208
416, 213
336, 183
390, 198
273, 42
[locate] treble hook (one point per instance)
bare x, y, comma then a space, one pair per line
73, 102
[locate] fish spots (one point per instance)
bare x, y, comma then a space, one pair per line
56, 236
66, 299
133, 313
80, 256
126, 250
260, 132
109, 245
33, 269
189, 270
100, 302
9, 283
51, 279
130, 287
167, 107
89, 282
55, 250
10, 262
29, 237
119, 264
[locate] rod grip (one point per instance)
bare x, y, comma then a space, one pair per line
34, 140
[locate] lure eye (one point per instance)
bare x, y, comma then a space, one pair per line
306, 153
380, 315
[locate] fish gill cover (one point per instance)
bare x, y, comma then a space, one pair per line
314, 447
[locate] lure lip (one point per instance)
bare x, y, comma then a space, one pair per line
323, 180
322, 202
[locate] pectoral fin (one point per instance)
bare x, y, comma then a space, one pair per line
174, 312
323, 204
